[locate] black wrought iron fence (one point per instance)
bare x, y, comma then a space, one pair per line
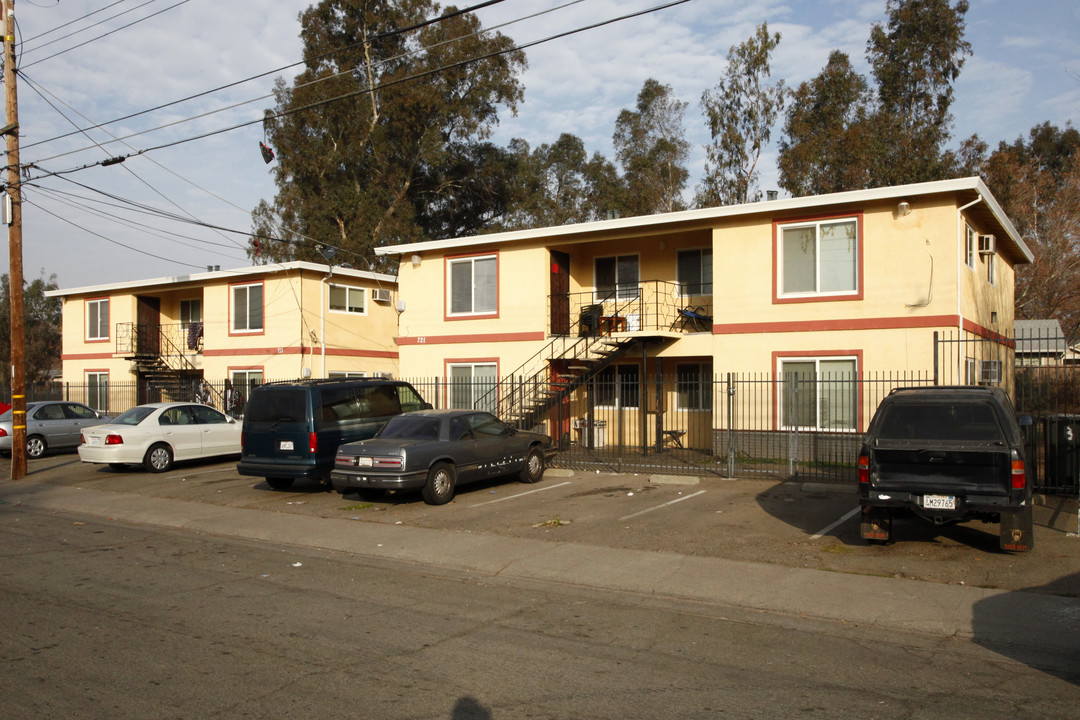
792, 427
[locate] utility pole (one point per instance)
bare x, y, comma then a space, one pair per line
15, 273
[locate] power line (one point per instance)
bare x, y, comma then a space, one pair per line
109, 239
346, 96
111, 32
70, 22
316, 58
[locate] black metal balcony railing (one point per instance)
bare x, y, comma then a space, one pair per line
173, 339
653, 305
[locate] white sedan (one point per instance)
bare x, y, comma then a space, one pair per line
158, 434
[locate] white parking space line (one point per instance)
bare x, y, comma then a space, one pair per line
657, 507
527, 492
821, 533
217, 471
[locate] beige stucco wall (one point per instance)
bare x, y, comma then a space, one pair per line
300, 334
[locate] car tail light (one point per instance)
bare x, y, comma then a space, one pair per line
3, 432
114, 440
1019, 474
864, 469
393, 463
313, 443
82, 438
241, 441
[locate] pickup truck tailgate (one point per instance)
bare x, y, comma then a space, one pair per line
933, 470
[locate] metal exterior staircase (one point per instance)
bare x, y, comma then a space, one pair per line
555, 372
159, 358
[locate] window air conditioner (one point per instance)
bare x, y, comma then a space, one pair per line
987, 245
380, 295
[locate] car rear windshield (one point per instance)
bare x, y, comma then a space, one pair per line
404, 427
134, 416
277, 405
972, 422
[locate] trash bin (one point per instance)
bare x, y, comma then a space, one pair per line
1062, 450
589, 322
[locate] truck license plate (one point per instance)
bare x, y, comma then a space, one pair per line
286, 445
939, 502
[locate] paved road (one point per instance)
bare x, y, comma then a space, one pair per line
123, 619
744, 544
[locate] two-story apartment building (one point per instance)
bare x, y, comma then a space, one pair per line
164, 336
822, 291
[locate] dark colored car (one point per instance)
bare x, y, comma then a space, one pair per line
946, 454
51, 425
293, 429
435, 450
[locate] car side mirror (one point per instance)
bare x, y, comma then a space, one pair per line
1025, 420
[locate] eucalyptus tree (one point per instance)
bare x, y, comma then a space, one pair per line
740, 112
376, 138
650, 145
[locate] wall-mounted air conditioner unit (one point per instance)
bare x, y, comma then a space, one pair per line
381, 295
987, 244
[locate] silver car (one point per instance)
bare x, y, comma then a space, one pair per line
53, 424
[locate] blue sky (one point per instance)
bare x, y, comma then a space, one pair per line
1025, 70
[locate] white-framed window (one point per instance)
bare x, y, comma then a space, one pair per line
473, 386
819, 393
693, 386
990, 259
340, 375
694, 272
247, 308
348, 299
970, 378
819, 258
618, 386
473, 285
971, 245
616, 277
190, 312
97, 319
97, 390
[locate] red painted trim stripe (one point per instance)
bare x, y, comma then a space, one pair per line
455, 339
886, 323
88, 356
294, 350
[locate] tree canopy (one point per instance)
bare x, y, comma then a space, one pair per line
41, 325
375, 138
740, 112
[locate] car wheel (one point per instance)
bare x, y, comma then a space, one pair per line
159, 458
439, 488
279, 483
35, 446
533, 469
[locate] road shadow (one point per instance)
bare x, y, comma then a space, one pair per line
814, 510
468, 708
1038, 626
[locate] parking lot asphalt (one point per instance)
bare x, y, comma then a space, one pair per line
774, 546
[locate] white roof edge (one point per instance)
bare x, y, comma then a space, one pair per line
767, 206
204, 277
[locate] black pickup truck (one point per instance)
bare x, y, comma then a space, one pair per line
946, 454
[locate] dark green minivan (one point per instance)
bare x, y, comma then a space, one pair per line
293, 429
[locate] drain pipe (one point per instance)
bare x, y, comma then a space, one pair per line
962, 262
322, 315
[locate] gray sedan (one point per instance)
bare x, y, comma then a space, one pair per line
51, 424
435, 450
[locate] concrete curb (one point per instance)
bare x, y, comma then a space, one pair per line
1032, 620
